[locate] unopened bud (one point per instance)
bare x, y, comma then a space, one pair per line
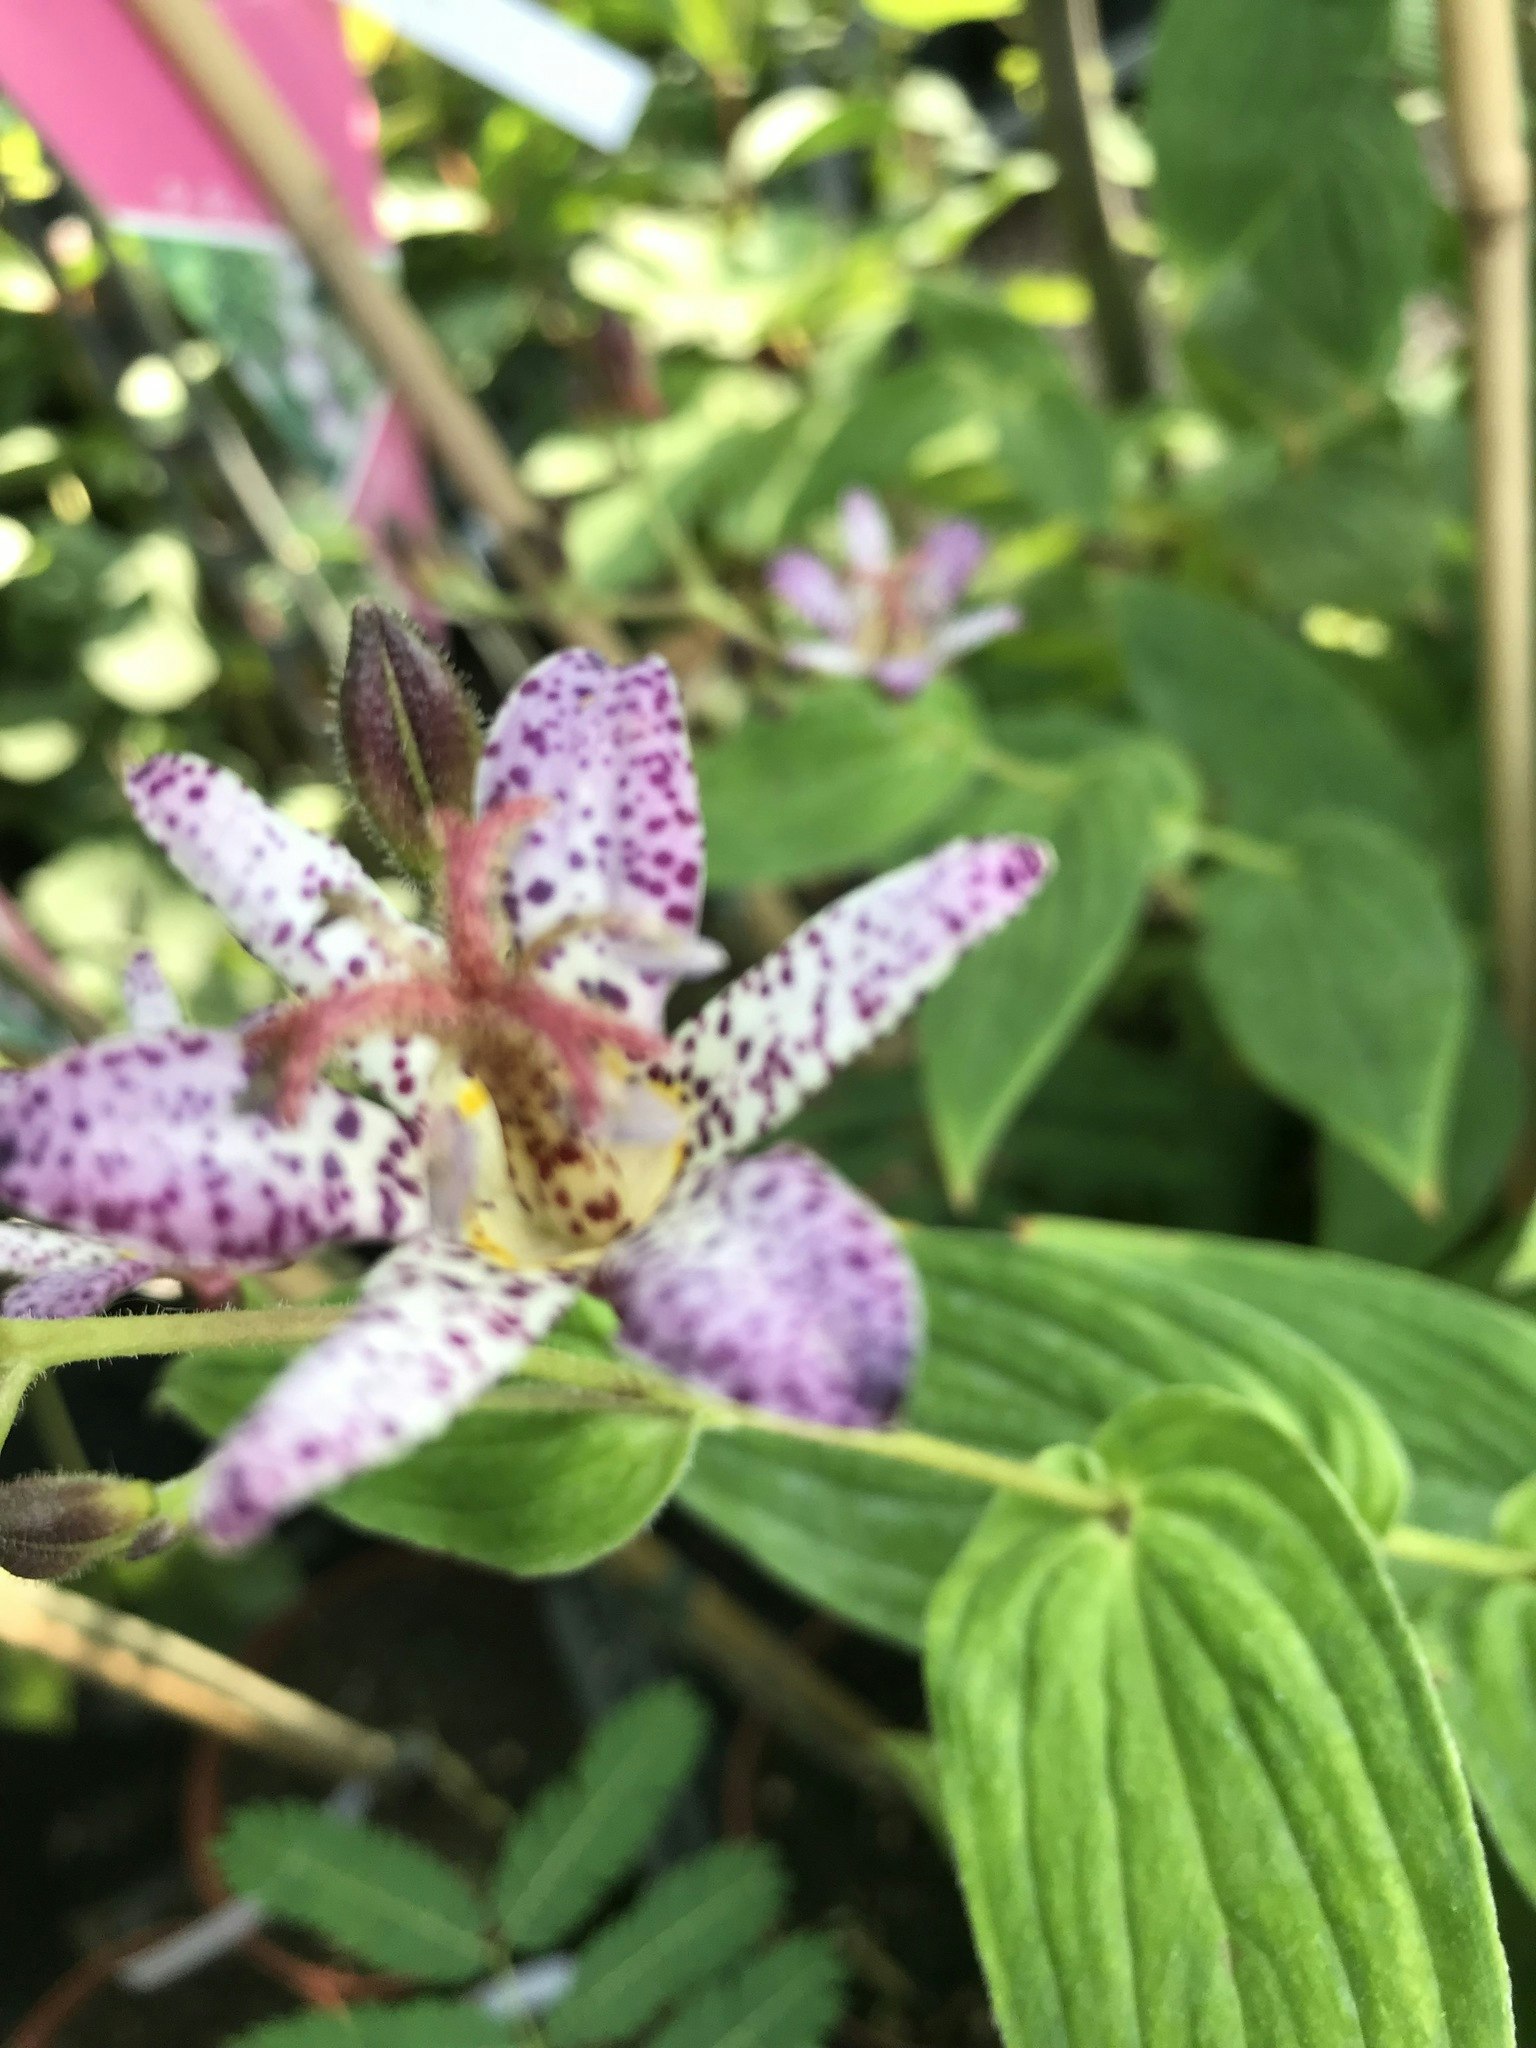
409, 733
55, 1524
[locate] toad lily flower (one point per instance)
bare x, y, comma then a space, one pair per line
497, 1098
892, 617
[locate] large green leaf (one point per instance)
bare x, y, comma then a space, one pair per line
1454, 1371
835, 783
694, 1921
991, 1031
374, 1894
1275, 733
792, 1997
1277, 139
1027, 1349
1346, 987
509, 1486
1199, 1787
585, 1833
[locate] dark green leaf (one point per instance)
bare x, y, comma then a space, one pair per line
1345, 985
692, 1922
1274, 732
586, 1832
1361, 1214
375, 1895
835, 783
792, 1997
1454, 1371
991, 1031
1200, 1789
1277, 139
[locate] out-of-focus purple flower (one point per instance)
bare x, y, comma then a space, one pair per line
889, 616
513, 1118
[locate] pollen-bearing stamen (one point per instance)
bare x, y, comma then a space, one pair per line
484, 994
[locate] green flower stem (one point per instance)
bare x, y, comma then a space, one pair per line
38, 1347
1411, 1545
901, 1446
587, 1382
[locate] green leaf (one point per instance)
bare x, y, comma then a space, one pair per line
1028, 1347
586, 1832
1454, 1371
1032, 1347
1199, 1786
990, 1033
690, 1923
427, 2023
518, 1489
375, 1895
1359, 528
1481, 1645
527, 1493
1274, 732
865, 1537
1346, 987
792, 1997
1278, 140
1361, 1214
834, 784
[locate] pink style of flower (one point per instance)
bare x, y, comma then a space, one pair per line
506, 1110
888, 616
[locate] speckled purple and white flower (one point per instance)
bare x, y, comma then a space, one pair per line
768, 1280
890, 617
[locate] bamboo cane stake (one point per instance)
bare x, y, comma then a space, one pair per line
233, 91
186, 1679
1483, 103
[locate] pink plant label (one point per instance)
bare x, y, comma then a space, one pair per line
118, 117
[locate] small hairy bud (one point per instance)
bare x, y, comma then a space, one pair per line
408, 731
55, 1524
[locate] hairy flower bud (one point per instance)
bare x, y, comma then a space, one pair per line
409, 733
55, 1524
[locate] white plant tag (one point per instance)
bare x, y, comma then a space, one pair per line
573, 78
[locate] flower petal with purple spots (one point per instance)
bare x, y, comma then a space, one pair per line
607, 749
771, 1040
63, 1275
277, 886
156, 1145
773, 1282
435, 1327
148, 998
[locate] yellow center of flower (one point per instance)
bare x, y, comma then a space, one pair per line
531, 1189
